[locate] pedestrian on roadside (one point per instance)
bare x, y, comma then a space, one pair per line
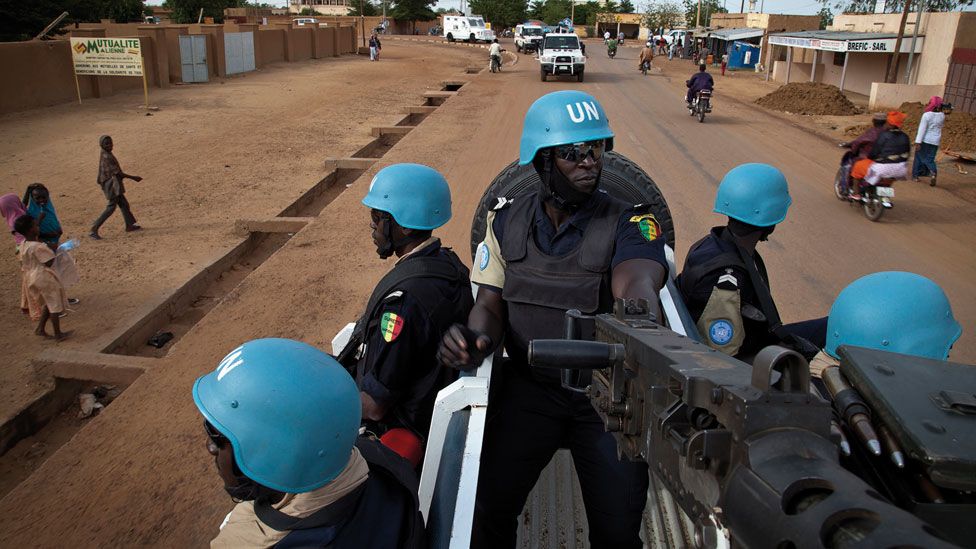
45, 294
725, 62
927, 140
672, 50
110, 176
37, 200
12, 207
374, 47
282, 425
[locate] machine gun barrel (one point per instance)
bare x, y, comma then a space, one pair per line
747, 444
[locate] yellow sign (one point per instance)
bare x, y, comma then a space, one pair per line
107, 56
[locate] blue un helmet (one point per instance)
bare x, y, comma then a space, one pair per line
417, 196
756, 194
290, 411
893, 311
562, 118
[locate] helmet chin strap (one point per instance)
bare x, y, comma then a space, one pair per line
390, 246
556, 189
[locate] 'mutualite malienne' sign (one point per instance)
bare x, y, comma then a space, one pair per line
107, 56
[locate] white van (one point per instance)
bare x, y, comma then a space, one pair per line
528, 37
470, 28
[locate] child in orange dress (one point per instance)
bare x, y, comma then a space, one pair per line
44, 288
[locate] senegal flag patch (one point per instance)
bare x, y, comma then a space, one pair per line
391, 324
648, 226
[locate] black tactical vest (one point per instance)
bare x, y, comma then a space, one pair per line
540, 288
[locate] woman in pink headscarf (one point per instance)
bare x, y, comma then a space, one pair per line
11, 207
927, 140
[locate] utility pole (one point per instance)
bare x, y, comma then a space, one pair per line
892, 75
698, 15
911, 52
572, 12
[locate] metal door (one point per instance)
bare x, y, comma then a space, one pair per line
239, 51
193, 58
960, 86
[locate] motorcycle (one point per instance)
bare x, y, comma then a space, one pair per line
495, 63
645, 66
874, 199
611, 52
701, 104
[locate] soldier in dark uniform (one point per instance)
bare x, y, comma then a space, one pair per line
724, 281
566, 245
394, 346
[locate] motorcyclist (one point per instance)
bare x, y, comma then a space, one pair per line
612, 46
861, 147
495, 52
889, 155
646, 56
699, 81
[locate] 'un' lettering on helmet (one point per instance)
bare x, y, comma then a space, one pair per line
584, 111
231, 361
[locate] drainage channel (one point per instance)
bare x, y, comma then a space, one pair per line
42, 427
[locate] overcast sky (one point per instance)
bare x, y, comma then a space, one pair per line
798, 7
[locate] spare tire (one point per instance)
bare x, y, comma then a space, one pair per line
621, 178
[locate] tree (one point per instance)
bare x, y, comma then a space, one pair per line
663, 14
708, 7
22, 20
535, 8
555, 10
501, 13
826, 17
626, 6
187, 11
369, 8
413, 11
586, 13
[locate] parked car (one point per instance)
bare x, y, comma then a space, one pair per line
301, 21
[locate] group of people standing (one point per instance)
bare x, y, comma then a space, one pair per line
47, 266
337, 465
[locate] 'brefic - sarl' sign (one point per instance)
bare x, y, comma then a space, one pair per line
107, 56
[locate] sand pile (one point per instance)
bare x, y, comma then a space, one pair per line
809, 98
958, 134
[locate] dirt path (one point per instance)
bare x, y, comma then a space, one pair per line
244, 148
139, 474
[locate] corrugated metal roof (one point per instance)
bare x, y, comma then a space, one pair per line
554, 516
740, 33
837, 35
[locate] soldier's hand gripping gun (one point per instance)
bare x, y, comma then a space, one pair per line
748, 444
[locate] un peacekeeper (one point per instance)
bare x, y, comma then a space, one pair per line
892, 311
393, 349
567, 245
282, 421
724, 281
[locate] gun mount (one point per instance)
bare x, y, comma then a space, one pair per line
748, 444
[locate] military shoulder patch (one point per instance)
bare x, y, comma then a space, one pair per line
390, 325
721, 332
649, 228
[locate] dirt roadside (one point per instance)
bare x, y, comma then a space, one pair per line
243, 148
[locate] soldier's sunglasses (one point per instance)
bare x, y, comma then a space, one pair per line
216, 437
576, 152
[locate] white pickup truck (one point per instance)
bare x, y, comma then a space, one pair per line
528, 37
562, 54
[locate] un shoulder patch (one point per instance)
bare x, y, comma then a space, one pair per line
484, 256
721, 332
649, 228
